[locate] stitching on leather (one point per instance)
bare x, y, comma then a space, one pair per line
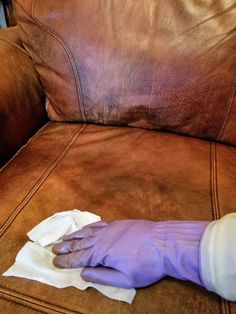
228, 306
10, 300
33, 305
214, 182
211, 183
70, 57
35, 136
227, 111
39, 183
15, 45
224, 304
8, 294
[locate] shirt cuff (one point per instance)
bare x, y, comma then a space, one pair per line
218, 257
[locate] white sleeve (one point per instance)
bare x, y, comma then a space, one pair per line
218, 257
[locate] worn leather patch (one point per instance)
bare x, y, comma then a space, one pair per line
150, 64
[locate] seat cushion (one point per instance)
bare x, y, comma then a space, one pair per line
117, 173
153, 64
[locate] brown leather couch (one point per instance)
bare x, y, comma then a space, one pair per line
142, 107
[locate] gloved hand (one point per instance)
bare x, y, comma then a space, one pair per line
133, 253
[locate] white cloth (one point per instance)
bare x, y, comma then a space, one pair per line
34, 260
218, 257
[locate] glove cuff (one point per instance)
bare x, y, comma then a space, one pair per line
178, 243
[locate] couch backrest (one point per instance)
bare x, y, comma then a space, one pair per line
166, 65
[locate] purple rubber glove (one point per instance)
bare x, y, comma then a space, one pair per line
133, 253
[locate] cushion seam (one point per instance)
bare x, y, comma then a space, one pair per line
16, 296
14, 45
12, 300
224, 304
70, 57
214, 182
39, 182
227, 110
35, 136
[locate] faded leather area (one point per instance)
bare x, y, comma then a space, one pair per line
117, 173
150, 64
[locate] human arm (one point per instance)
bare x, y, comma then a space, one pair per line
133, 253
137, 253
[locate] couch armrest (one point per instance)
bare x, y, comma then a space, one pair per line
22, 110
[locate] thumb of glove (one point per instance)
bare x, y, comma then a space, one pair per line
106, 276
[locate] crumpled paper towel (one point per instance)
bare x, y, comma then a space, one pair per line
34, 260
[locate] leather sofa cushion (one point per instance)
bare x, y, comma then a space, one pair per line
166, 65
118, 173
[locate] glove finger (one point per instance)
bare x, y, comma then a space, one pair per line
106, 276
86, 231
74, 245
96, 224
74, 260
